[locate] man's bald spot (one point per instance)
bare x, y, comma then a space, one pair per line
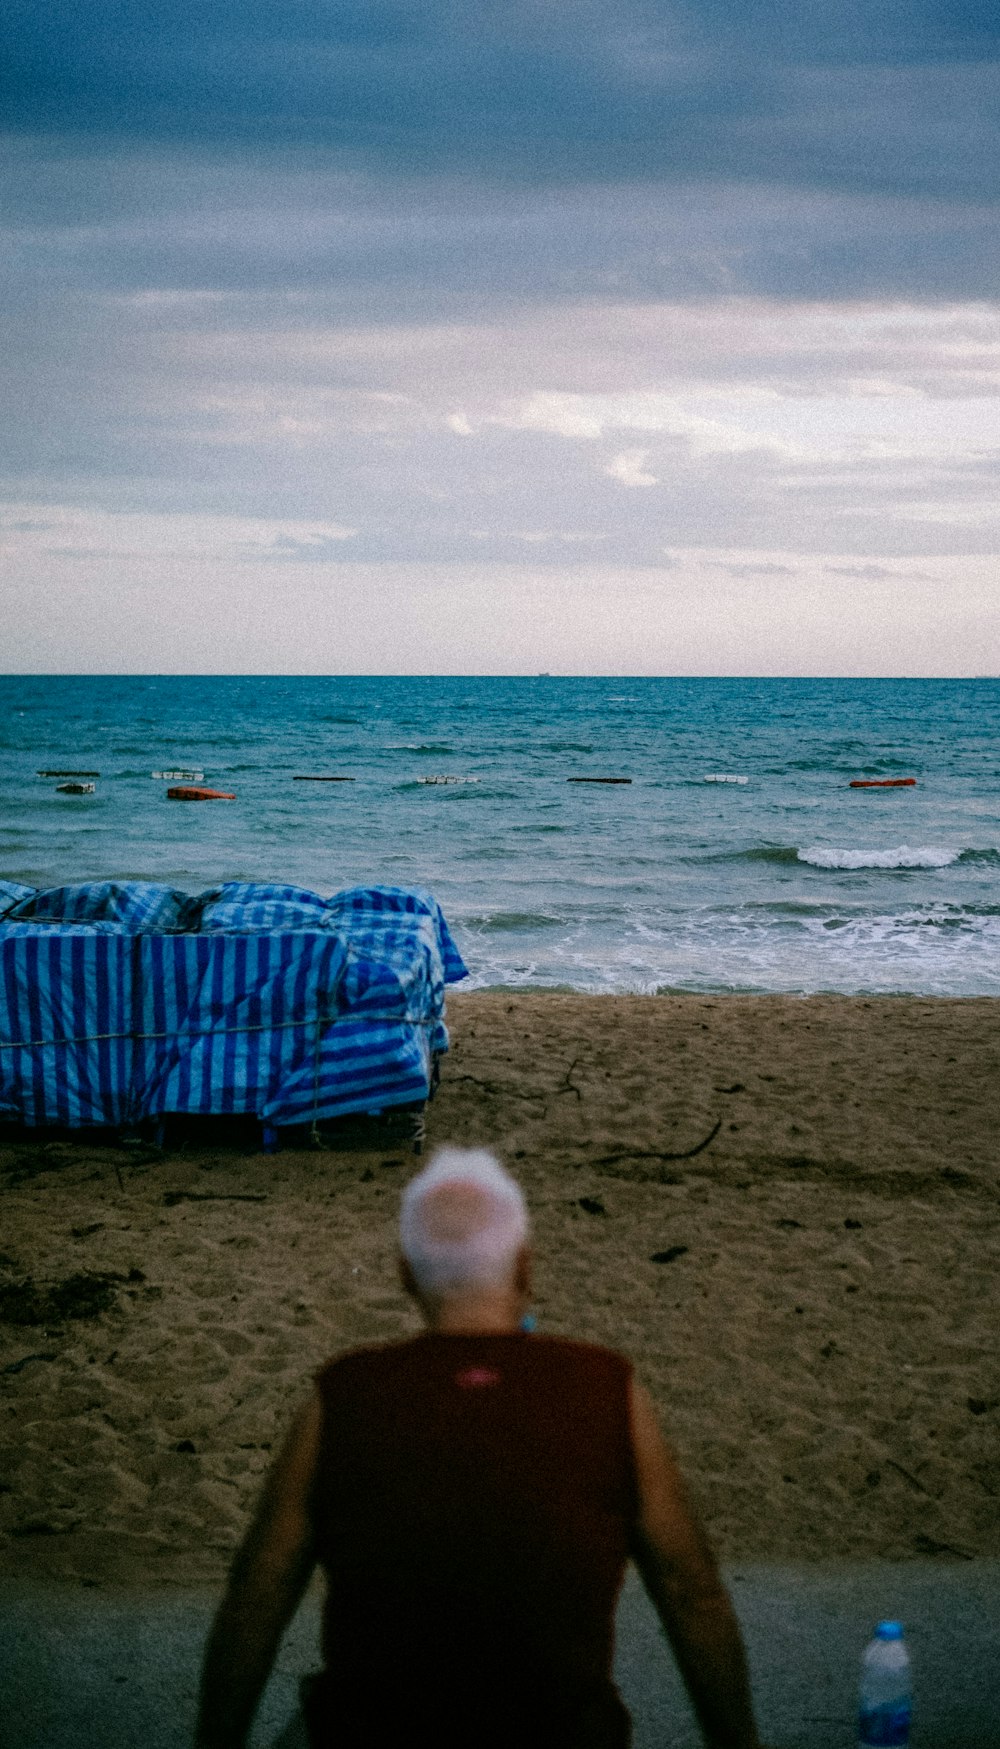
455, 1211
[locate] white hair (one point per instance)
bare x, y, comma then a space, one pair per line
483, 1254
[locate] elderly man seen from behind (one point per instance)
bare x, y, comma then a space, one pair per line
473, 1496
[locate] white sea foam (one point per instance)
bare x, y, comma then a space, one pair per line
934, 951
933, 856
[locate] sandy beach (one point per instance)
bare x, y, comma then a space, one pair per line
786, 1211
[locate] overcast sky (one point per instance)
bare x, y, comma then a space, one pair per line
427, 337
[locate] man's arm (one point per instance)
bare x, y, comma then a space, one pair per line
268, 1577
678, 1570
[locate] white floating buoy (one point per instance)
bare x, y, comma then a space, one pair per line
75, 789
448, 780
723, 777
179, 776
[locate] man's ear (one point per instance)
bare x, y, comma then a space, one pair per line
406, 1277
523, 1271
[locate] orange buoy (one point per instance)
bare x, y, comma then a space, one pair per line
184, 793
882, 782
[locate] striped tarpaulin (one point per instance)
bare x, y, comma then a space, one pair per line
258, 905
66, 1016
227, 1023
132, 904
11, 894
105, 1024
385, 907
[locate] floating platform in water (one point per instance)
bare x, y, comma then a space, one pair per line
185, 793
447, 779
882, 783
179, 776
75, 789
723, 777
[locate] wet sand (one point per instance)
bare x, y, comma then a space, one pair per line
785, 1210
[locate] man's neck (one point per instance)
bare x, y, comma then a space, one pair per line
476, 1315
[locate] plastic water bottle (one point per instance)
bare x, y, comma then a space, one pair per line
885, 1700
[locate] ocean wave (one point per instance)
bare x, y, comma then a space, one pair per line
535, 829
832, 857
465, 789
501, 922
932, 856
877, 767
837, 762
758, 853
420, 747
927, 952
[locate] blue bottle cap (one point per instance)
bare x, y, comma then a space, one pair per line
889, 1630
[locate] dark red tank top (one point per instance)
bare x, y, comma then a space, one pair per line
474, 1505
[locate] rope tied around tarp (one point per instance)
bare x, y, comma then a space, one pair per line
95, 1038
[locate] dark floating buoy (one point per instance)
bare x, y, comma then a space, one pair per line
598, 780
308, 778
69, 774
882, 783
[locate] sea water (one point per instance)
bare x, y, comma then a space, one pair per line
787, 881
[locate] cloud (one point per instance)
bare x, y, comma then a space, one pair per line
763, 568
840, 422
876, 573
263, 266
313, 547
629, 468
849, 97
590, 417
96, 534
164, 221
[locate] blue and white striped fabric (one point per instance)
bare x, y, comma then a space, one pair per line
66, 1019
397, 971
116, 1019
244, 905
11, 894
236, 1023
374, 907
134, 905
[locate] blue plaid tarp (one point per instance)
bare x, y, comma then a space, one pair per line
271, 1001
